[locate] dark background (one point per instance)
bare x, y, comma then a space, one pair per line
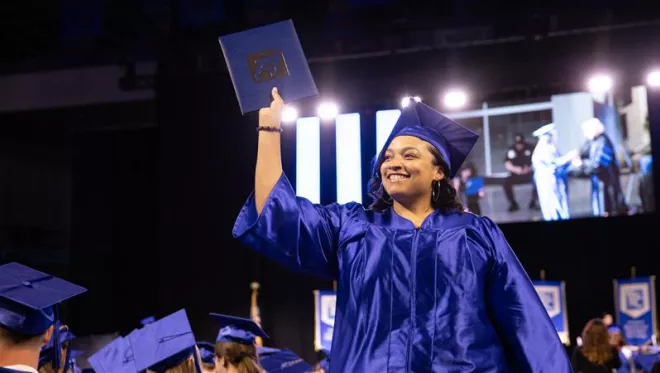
136, 201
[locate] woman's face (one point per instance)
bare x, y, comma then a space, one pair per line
408, 171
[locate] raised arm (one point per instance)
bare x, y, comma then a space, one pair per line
274, 222
523, 324
269, 155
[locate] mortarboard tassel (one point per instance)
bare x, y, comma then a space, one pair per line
57, 348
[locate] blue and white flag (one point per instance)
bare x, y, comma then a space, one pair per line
553, 296
324, 318
636, 309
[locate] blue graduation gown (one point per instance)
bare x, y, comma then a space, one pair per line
449, 297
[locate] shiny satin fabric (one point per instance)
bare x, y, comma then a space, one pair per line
449, 297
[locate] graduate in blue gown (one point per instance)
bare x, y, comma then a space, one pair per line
598, 160
551, 174
28, 313
422, 285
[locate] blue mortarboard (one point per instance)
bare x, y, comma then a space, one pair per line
48, 351
453, 141
548, 128
265, 351
76, 354
116, 356
206, 352
237, 329
29, 299
285, 361
265, 57
164, 343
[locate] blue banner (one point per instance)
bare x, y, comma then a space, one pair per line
636, 309
553, 296
324, 318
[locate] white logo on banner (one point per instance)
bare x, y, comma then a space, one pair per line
328, 305
550, 297
634, 299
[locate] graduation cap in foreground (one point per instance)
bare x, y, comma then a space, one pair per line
206, 352
453, 141
164, 344
285, 361
29, 299
116, 356
265, 57
237, 329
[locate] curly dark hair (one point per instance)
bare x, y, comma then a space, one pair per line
447, 201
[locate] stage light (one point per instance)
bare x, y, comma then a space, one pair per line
328, 110
600, 83
455, 99
653, 79
289, 114
406, 100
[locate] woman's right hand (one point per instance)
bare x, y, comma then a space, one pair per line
272, 116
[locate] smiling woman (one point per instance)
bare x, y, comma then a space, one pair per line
409, 158
422, 286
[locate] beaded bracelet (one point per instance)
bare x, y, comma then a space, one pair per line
269, 129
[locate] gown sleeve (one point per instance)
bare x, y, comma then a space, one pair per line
528, 336
293, 231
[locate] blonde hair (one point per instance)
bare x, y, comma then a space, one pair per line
242, 357
48, 367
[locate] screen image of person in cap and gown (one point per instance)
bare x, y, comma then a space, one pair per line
235, 348
29, 302
598, 160
422, 285
551, 174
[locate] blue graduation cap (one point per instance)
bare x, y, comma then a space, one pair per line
50, 349
117, 356
29, 299
453, 141
265, 57
164, 343
285, 361
237, 329
206, 352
